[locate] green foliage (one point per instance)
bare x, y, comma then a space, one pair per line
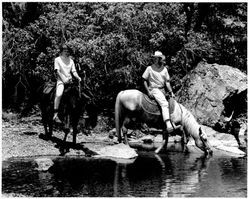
112, 43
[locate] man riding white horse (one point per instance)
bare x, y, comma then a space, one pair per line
156, 80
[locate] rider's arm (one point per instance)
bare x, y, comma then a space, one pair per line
168, 85
76, 75
74, 72
145, 77
169, 88
145, 82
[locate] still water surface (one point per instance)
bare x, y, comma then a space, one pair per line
150, 175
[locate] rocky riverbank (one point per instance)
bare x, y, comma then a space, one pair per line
20, 138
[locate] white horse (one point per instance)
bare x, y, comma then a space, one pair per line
128, 110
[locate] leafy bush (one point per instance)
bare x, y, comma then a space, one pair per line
112, 43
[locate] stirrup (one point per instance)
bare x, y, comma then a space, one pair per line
56, 119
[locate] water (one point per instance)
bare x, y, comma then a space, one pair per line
150, 175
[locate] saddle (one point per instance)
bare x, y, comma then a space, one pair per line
49, 90
152, 107
49, 87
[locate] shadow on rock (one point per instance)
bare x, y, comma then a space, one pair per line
64, 147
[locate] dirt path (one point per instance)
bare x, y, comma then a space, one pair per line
20, 138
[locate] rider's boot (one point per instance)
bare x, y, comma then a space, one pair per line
169, 126
56, 118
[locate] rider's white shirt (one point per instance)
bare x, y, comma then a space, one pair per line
63, 68
156, 79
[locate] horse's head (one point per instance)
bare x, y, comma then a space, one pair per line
204, 144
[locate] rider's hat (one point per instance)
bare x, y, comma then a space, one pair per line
159, 54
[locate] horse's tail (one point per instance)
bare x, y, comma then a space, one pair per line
118, 116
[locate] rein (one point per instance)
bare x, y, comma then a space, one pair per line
204, 141
79, 89
181, 113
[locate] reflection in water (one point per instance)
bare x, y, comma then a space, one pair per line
150, 175
183, 184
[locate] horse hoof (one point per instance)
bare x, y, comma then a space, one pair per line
209, 153
185, 151
62, 151
45, 137
116, 142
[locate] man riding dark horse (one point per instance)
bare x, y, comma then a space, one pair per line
63, 102
64, 67
70, 109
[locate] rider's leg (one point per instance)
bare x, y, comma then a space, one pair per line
161, 99
59, 92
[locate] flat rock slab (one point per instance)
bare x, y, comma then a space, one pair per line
220, 143
121, 151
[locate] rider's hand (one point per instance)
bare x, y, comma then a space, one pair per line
172, 95
150, 95
69, 79
66, 80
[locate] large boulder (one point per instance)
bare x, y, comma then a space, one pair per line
213, 92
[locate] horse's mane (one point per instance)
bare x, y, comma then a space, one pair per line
189, 122
71, 89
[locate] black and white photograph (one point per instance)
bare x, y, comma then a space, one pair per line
124, 99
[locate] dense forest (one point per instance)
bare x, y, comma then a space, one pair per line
112, 43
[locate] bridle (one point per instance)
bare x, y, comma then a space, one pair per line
204, 141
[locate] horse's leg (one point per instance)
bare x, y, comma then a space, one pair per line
74, 135
184, 140
125, 134
119, 135
75, 120
66, 132
125, 130
164, 142
46, 124
118, 125
63, 146
66, 128
165, 137
50, 124
50, 127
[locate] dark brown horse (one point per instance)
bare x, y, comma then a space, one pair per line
72, 106
128, 108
